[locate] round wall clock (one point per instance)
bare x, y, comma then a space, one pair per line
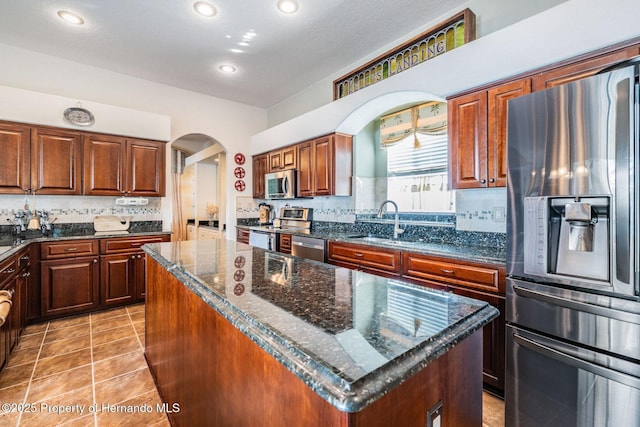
79, 116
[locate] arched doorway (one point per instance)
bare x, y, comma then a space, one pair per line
198, 190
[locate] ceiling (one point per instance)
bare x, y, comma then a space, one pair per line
165, 41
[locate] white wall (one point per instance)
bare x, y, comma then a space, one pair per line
230, 123
566, 30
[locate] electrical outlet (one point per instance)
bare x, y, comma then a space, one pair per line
497, 214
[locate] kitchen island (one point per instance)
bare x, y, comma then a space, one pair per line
237, 335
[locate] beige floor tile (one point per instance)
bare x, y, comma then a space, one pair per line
103, 337
492, 411
35, 328
108, 314
14, 394
60, 383
16, 375
45, 415
137, 316
124, 387
139, 327
62, 346
110, 323
116, 348
84, 421
31, 341
9, 418
118, 365
135, 308
22, 355
69, 332
146, 400
68, 321
141, 338
63, 362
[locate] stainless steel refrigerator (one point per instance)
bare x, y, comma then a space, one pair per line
573, 301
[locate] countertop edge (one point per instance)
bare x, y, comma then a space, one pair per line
337, 392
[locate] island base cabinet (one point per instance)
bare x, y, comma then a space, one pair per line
217, 376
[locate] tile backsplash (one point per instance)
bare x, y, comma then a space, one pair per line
79, 209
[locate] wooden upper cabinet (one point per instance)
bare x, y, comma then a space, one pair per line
55, 161
283, 159
260, 167
145, 168
325, 166
497, 129
104, 168
467, 118
478, 135
118, 166
15, 163
581, 69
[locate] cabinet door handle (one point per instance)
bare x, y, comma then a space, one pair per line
358, 254
70, 249
24, 258
9, 271
447, 271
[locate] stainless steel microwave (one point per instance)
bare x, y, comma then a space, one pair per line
280, 185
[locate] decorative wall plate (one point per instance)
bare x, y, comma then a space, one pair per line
79, 116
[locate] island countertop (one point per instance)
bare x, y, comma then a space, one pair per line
350, 336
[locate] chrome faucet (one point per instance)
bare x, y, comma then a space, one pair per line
396, 226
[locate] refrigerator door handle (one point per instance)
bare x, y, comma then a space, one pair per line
577, 305
577, 363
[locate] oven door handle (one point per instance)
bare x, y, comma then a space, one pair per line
577, 305
610, 374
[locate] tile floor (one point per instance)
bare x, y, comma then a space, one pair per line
67, 365
77, 363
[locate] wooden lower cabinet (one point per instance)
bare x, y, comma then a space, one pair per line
69, 285
242, 235
117, 279
284, 243
384, 262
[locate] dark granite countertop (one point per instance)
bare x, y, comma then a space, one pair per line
10, 245
486, 254
350, 336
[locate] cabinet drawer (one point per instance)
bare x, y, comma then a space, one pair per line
242, 235
8, 268
129, 244
476, 276
365, 256
53, 250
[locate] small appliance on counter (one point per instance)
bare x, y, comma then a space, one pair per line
111, 224
266, 214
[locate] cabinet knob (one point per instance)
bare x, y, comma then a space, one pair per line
9, 271
133, 257
483, 181
492, 180
95, 261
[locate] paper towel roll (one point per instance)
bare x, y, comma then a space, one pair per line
5, 306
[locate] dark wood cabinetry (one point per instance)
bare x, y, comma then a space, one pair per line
384, 262
56, 157
13, 281
15, 163
260, 167
242, 235
284, 243
69, 277
478, 136
115, 166
474, 280
283, 159
325, 166
122, 269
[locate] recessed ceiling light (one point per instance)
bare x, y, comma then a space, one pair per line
205, 9
243, 44
236, 50
70, 18
227, 68
288, 6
